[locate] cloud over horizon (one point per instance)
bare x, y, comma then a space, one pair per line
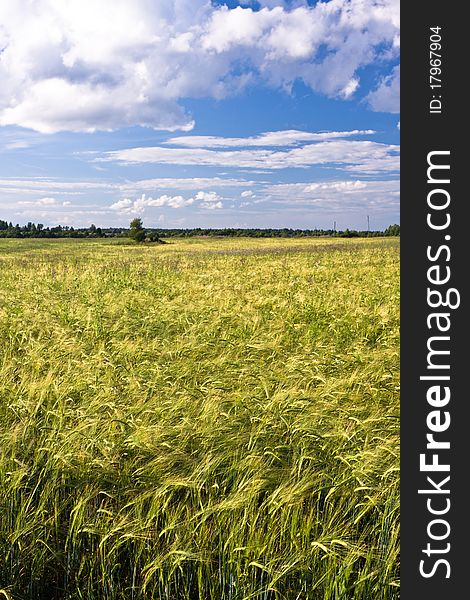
205, 200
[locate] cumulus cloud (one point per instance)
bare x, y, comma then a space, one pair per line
83, 65
124, 205
211, 205
128, 206
207, 200
208, 196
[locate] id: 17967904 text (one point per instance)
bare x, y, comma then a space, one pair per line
435, 69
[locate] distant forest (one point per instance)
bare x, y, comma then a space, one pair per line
33, 230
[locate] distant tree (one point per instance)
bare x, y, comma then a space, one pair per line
137, 232
392, 230
153, 237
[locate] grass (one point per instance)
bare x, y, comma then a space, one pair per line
203, 420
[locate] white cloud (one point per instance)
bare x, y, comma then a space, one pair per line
40, 202
208, 197
19, 145
339, 186
211, 205
46, 201
34, 207
83, 65
207, 200
355, 156
56, 105
247, 194
350, 88
123, 205
127, 206
386, 98
172, 201
34, 186
269, 139
185, 183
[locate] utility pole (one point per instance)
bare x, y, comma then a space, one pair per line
368, 224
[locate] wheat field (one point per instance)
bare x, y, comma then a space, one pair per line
209, 419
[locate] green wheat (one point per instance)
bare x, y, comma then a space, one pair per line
203, 420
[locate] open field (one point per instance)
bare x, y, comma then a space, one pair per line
201, 420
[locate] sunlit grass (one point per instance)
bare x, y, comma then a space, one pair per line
206, 419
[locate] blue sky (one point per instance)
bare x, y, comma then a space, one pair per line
190, 113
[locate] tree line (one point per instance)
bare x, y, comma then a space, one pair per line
33, 230
137, 232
